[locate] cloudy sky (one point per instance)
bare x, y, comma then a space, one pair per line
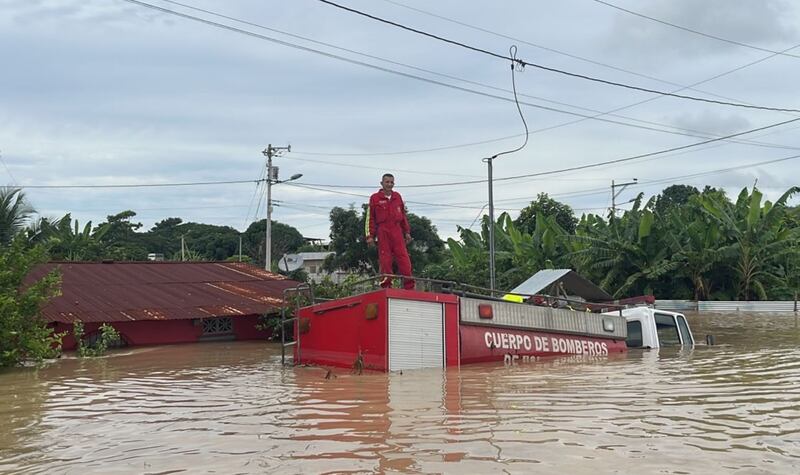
111, 92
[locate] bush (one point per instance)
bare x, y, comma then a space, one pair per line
24, 335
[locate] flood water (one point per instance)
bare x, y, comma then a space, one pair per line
232, 408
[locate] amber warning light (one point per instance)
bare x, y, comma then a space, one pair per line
485, 311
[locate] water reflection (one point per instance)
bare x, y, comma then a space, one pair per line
232, 408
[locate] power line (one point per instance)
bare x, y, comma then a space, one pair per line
578, 167
552, 50
400, 73
696, 32
392, 71
604, 190
11, 175
555, 70
360, 166
317, 188
140, 185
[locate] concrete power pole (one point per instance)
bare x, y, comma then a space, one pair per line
272, 178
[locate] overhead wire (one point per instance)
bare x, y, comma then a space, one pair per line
512, 51
11, 175
550, 49
140, 185
552, 69
579, 167
690, 30
400, 73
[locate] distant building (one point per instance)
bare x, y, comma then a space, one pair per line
310, 262
152, 303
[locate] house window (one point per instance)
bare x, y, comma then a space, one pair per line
312, 269
217, 326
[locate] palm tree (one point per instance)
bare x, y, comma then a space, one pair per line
14, 214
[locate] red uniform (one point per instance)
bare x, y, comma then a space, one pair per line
386, 221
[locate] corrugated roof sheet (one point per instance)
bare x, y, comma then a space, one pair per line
129, 291
574, 283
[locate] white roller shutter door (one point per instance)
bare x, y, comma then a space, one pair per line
416, 334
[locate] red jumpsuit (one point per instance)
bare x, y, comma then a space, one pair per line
386, 221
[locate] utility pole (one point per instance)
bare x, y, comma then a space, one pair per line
240, 247
615, 193
183, 246
272, 179
491, 223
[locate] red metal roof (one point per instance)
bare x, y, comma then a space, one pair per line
125, 291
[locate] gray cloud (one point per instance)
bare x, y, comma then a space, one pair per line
713, 122
768, 24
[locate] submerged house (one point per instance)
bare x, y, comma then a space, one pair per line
152, 303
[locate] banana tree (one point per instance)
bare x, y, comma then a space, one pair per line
627, 255
517, 254
761, 239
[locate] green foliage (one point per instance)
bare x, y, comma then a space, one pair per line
328, 289
120, 240
14, 214
673, 197
550, 208
759, 239
24, 335
518, 254
68, 242
107, 337
349, 244
285, 239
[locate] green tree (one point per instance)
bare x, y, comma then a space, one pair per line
15, 213
348, 243
518, 254
760, 237
67, 241
426, 247
628, 255
24, 335
120, 240
544, 205
285, 239
673, 197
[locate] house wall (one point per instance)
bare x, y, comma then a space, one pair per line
162, 332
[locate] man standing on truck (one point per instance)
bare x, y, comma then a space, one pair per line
387, 223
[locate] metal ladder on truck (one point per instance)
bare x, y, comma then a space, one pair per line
293, 299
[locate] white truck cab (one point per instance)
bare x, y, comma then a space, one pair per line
651, 328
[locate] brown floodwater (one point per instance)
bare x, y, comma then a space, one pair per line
232, 408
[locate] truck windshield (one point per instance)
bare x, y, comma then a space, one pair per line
667, 330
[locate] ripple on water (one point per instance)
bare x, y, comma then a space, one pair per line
232, 408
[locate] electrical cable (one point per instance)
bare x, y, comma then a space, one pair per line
599, 113
557, 51
512, 51
359, 166
578, 167
391, 71
696, 32
11, 175
556, 70
140, 185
